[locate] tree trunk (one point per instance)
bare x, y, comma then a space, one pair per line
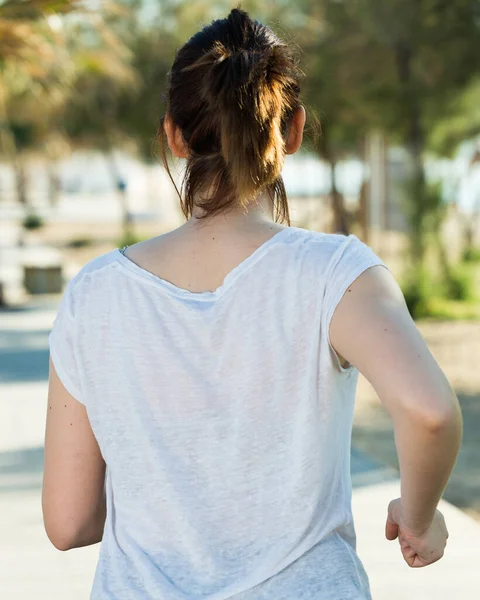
340, 214
415, 142
472, 225
445, 264
53, 183
338, 206
121, 190
419, 208
363, 213
7, 141
20, 180
9, 149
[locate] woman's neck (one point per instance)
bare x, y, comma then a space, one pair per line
258, 214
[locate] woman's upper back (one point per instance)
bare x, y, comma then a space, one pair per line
199, 258
223, 416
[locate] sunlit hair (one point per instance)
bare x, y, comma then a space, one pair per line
232, 90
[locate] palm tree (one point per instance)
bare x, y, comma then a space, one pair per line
32, 69
91, 117
45, 63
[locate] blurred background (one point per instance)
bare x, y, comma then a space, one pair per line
395, 85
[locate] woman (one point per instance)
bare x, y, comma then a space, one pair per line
209, 373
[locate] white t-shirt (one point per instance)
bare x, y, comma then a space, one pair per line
225, 422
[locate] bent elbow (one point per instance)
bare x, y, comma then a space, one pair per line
60, 542
63, 545
60, 537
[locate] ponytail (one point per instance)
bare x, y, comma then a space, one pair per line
233, 90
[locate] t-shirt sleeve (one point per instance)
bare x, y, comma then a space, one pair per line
63, 344
349, 261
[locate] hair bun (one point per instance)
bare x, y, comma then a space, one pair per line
233, 74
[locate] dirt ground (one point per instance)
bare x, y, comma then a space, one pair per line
456, 346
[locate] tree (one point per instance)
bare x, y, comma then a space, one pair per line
336, 88
427, 55
100, 53
26, 54
32, 70
461, 121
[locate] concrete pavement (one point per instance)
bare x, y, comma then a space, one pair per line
31, 568
455, 577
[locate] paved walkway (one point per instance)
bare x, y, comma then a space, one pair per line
31, 568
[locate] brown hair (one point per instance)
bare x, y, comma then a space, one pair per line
232, 90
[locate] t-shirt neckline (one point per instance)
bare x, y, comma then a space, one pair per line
248, 262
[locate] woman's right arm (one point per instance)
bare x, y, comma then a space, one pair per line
372, 329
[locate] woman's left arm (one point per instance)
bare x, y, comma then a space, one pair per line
73, 492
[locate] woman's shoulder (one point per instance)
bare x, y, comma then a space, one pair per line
321, 238
330, 253
93, 266
324, 246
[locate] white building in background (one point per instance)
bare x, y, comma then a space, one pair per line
88, 188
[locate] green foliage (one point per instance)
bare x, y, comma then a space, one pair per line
24, 135
425, 211
439, 297
443, 309
129, 239
401, 66
80, 242
140, 107
460, 285
32, 221
471, 255
409, 69
462, 122
418, 288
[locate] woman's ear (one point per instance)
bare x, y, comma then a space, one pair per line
295, 131
176, 143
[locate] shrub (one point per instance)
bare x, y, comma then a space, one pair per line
452, 310
80, 242
449, 297
418, 289
32, 221
129, 239
471, 255
460, 285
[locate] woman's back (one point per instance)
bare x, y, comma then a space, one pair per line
224, 419
201, 371
199, 259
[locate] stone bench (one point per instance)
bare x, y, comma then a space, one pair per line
42, 271
43, 280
